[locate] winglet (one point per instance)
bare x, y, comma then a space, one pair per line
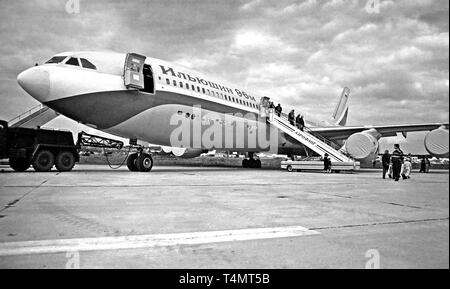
341, 111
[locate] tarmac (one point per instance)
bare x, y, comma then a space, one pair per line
192, 217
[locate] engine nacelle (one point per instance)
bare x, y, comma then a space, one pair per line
436, 143
363, 146
187, 153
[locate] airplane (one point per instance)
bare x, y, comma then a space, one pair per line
137, 97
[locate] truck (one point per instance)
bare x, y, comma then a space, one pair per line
40, 148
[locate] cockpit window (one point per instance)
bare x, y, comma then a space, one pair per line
87, 64
73, 61
56, 59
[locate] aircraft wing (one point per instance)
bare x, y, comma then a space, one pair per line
343, 132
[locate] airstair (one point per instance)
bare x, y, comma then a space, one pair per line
35, 117
321, 146
315, 142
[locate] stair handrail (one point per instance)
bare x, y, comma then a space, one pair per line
26, 113
323, 139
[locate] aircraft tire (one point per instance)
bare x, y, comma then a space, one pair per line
131, 162
144, 163
19, 164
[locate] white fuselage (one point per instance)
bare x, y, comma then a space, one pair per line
99, 98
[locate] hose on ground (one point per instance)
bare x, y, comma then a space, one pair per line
121, 164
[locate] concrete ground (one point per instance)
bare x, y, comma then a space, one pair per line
360, 218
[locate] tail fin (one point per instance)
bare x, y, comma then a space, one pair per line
341, 111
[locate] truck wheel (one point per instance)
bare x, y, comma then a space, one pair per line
65, 161
131, 162
44, 161
19, 164
144, 162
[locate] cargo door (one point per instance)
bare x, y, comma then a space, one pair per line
134, 71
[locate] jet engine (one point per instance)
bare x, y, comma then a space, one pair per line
186, 153
436, 143
363, 146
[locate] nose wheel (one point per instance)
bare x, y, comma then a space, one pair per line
140, 162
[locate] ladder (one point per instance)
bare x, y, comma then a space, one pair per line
34, 117
318, 144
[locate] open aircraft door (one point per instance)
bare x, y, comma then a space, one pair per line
134, 71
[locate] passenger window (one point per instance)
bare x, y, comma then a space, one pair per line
203, 90
73, 61
198, 89
174, 83
193, 87
181, 84
87, 64
167, 81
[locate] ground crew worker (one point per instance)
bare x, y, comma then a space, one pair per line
326, 164
385, 160
291, 117
278, 110
428, 165
397, 161
423, 166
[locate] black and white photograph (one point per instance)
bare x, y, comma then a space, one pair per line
243, 136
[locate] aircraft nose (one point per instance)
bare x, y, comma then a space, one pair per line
35, 81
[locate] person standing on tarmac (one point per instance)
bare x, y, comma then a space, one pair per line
326, 164
397, 161
423, 166
291, 117
385, 160
407, 166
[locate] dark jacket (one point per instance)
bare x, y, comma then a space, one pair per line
291, 116
385, 159
397, 155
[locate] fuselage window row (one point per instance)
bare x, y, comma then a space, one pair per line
213, 93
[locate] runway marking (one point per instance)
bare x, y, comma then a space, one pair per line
149, 241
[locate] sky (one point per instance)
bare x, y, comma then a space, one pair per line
394, 56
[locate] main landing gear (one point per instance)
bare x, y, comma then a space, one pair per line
250, 162
140, 162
